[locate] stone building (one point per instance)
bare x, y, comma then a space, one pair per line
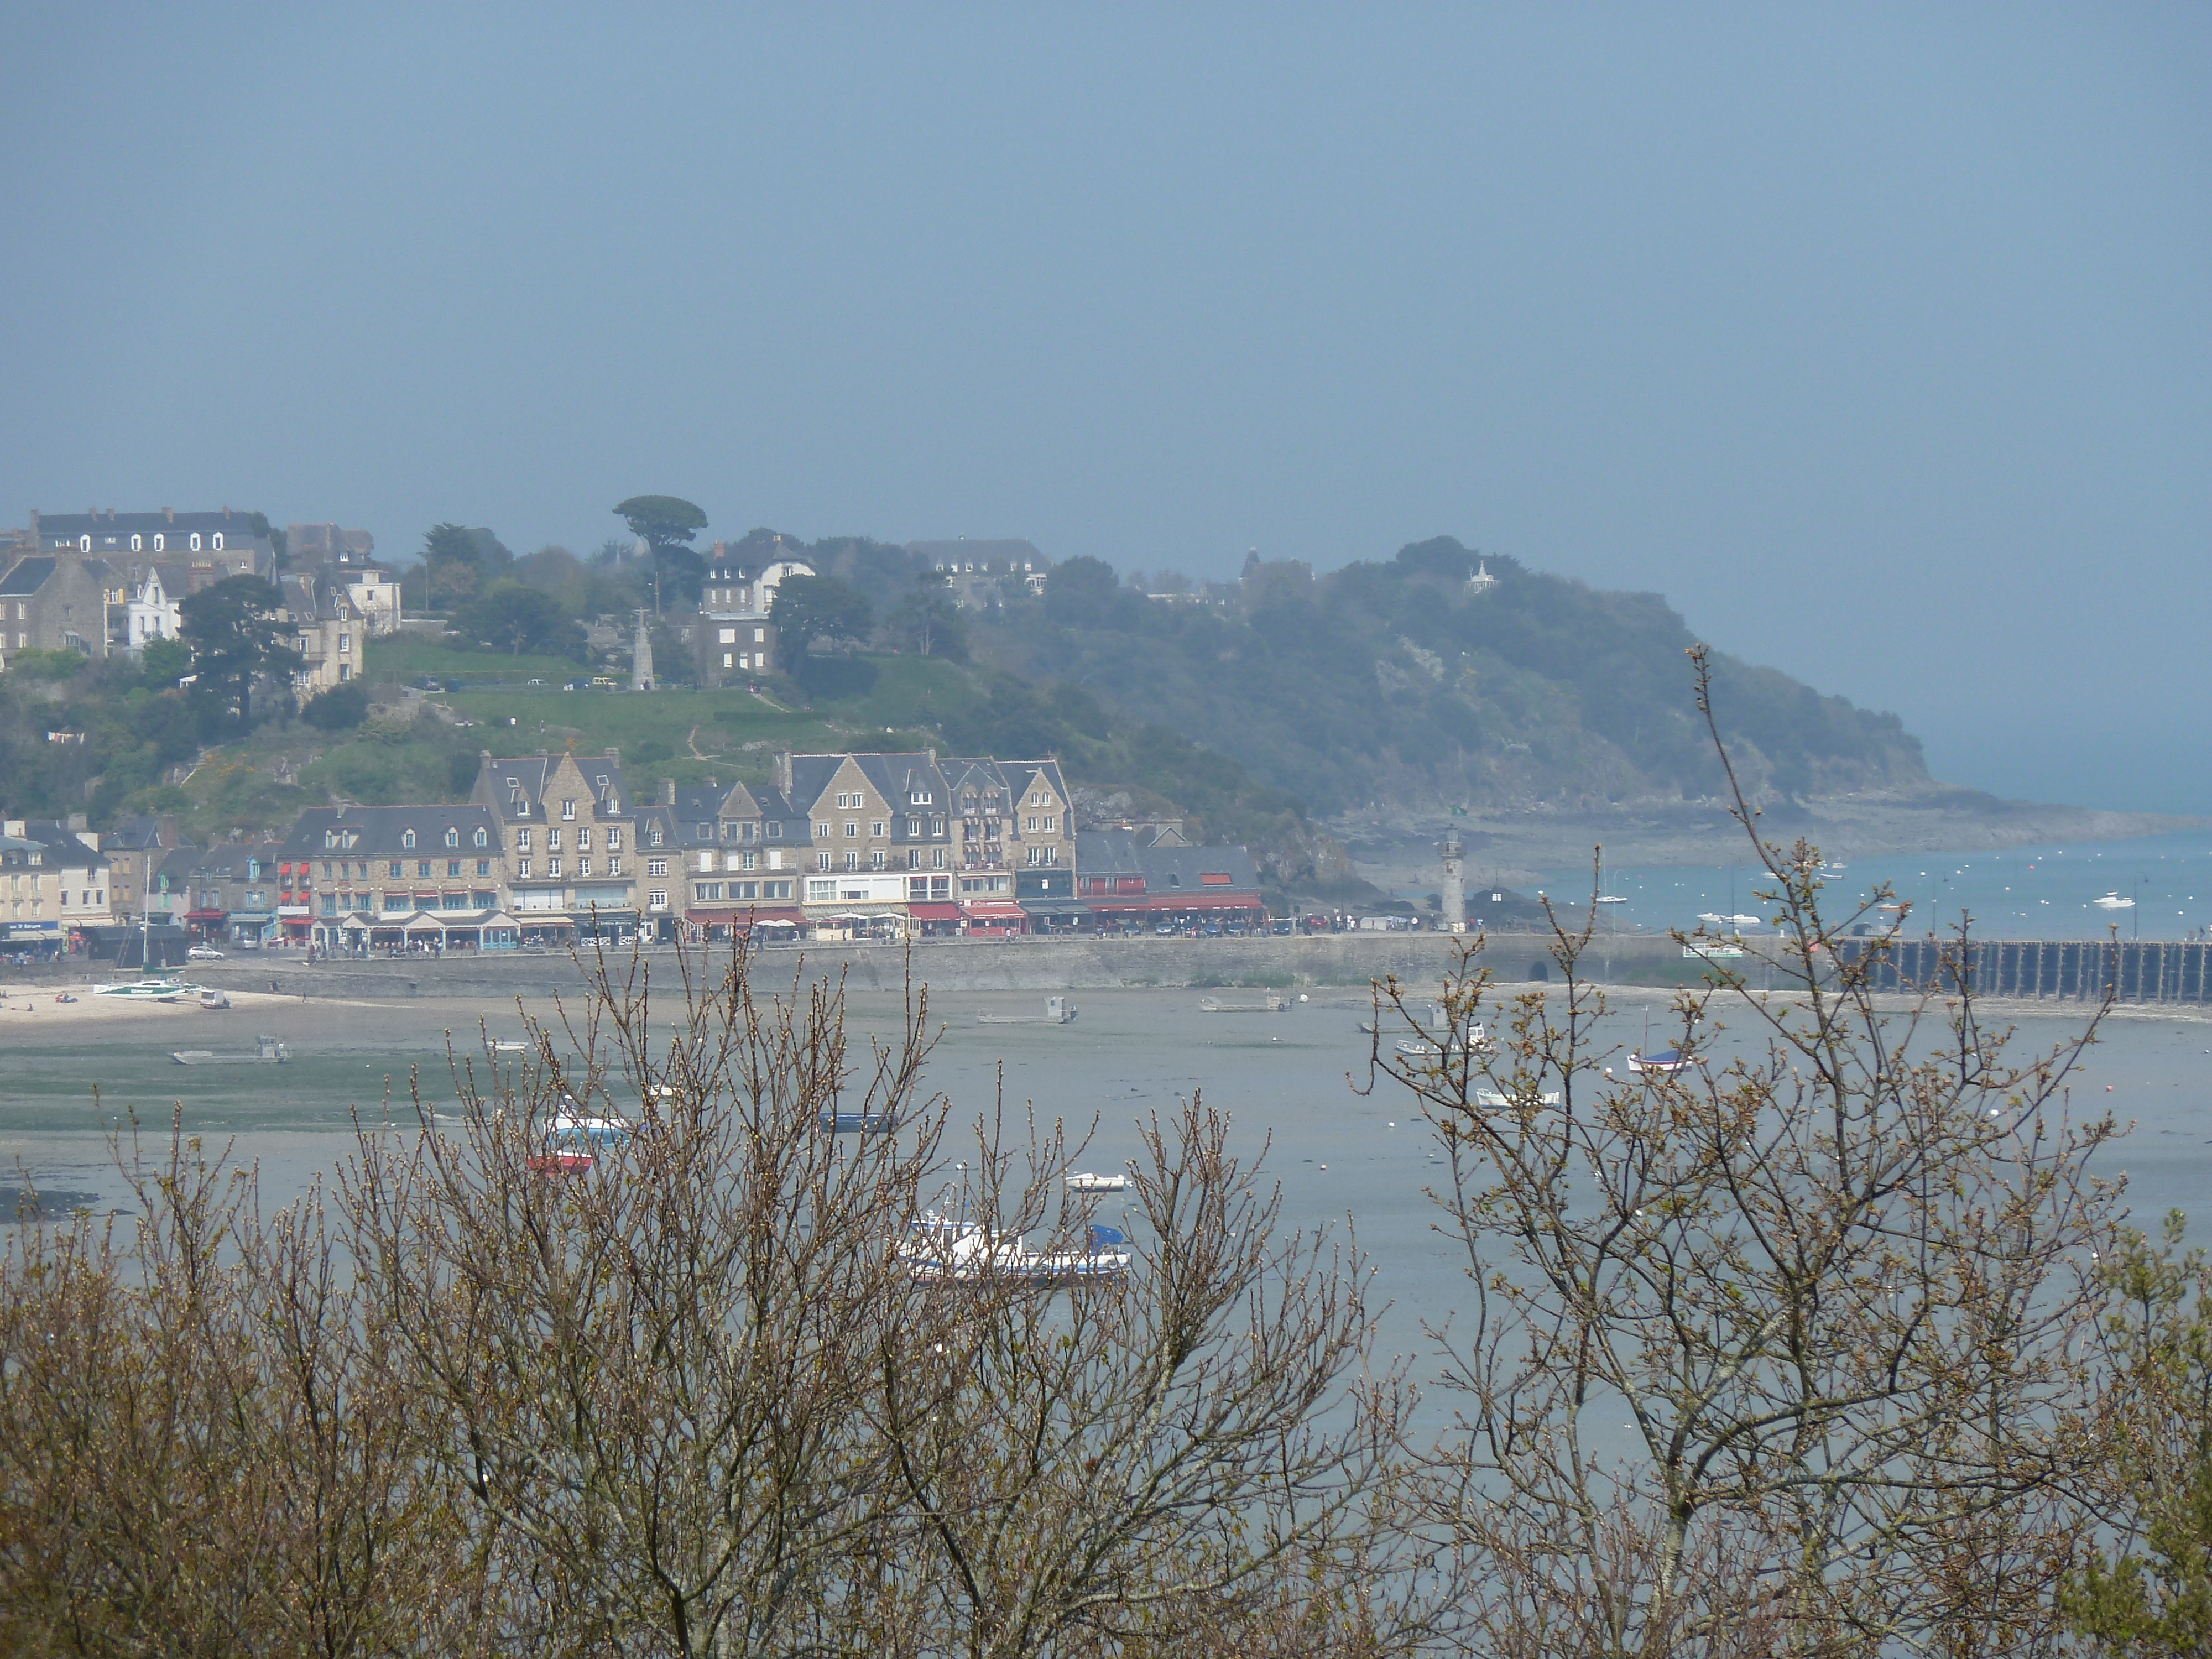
733, 636
52, 603
53, 882
238, 542
330, 636
567, 828
359, 878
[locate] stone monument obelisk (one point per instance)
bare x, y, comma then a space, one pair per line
1453, 896
641, 657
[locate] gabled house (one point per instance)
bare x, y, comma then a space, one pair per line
135, 849
732, 856
228, 894
567, 828
330, 637
51, 602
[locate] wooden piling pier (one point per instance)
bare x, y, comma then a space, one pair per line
2139, 970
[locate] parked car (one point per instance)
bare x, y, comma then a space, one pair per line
1280, 927
1166, 929
203, 953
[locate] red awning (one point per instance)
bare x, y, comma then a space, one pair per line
205, 916
935, 912
750, 916
995, 911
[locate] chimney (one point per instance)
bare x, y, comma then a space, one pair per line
170, 514
614, 754
668, 791
783, 772
225, 509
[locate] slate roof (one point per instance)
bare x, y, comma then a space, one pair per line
27, 577
68, 526
380, 832
711, 805
138, 832
225, 861
62, 845
500, 782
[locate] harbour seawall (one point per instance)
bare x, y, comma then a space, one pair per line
1036, 965
2061, 970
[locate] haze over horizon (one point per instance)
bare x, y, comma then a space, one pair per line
1877, 340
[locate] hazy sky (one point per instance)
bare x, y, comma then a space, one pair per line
1879, 340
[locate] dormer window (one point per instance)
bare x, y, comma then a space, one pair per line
452, 836
706, 832
160, 541
919, 798
217, 543
481, 840
138, 544
407, 838
196, 542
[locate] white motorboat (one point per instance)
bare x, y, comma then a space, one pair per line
1611, 898
1497, 1102
1665, 1063
1098, 1183
938, 1249
2113, 902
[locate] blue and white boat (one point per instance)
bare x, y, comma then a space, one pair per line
866, 1123
940, 1248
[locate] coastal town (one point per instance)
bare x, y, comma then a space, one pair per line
552, 848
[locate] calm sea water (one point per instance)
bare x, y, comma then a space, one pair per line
1343, 1160
2025, 892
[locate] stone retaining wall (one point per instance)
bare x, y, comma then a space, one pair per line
1032, 964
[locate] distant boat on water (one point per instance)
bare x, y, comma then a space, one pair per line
1665, 1063
2113, 902
267, 1051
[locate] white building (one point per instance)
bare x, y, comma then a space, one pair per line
150, 612
736, 637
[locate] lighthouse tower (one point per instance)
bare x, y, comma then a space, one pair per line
1455, 891
641, 657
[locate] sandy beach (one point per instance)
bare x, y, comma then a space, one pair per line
42, 1006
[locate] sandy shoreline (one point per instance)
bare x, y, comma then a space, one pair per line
36, 1007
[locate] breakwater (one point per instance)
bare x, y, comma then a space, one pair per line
2138, 970
2047, 969
1031, 965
